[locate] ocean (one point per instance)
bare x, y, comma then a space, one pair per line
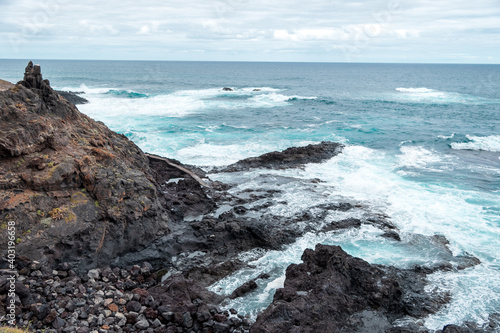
422, 148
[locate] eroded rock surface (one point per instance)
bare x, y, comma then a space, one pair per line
77, 191
332, 291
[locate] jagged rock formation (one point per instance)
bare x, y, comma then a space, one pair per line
77, 191
332, 291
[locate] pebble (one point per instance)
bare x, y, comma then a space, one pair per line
142, 324
94, 304
93, 274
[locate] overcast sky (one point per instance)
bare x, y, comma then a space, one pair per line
449, 31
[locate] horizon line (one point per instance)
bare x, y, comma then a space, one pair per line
263, 61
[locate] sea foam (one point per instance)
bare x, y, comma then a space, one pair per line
427, 95
485, 143
118, 102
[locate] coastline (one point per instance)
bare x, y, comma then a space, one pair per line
206, 249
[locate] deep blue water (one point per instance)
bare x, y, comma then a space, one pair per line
423, 145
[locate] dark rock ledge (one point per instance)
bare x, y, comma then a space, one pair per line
288, 158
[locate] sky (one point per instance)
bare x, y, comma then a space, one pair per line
390, 31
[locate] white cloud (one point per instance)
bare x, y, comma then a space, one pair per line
225, 29
312, 34
99, 29
145, 30
404, 34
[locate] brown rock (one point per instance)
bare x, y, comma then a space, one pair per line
113, 307
150, 313
84, 193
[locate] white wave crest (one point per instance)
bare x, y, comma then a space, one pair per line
486, 143
273, 100
430, 95
87, 90
417, 157
416, 90
446, 137
180, 103
427, 95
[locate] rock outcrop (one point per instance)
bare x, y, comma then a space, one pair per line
73, 97
77, 191
289, 158
332, 291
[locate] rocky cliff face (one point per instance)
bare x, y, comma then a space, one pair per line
77, 191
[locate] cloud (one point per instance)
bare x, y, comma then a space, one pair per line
240, 30
145, 30
98, 29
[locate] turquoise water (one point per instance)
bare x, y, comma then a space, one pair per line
423, 147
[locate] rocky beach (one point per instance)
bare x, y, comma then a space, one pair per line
112, 239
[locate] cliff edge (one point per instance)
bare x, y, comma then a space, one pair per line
77, 191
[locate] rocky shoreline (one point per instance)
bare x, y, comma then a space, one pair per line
113, 240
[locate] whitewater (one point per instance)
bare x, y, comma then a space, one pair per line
421, 148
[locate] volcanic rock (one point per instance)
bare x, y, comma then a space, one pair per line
332, 291
78, 192
73, 97
289, 158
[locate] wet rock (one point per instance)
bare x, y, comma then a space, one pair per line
392, 235
227, 89
343, 224
244, 289
288, 158
332, 292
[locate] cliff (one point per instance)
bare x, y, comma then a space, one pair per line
77, 191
